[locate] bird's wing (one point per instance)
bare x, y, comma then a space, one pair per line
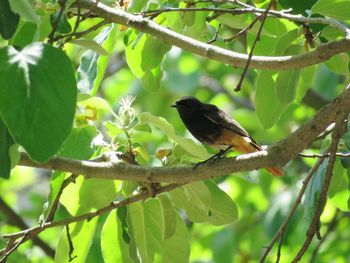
219, 117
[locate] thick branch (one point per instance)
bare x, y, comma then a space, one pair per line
320, 54
277, 155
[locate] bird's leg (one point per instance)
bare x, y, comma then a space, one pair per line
217, 155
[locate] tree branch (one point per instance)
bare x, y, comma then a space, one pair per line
331, 226
262, 17
318, 55
313, 229
34, 231
291, 212
277, 155
16, 220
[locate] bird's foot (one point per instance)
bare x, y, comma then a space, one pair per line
213, 158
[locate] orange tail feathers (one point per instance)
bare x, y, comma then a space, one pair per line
275, 171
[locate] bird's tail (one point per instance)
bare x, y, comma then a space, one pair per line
275, 171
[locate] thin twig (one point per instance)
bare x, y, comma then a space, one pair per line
243, 31
66, 182
313, 229
331, 226
70, 245
12, 248
34, 231
80, 34
57, 21
279, 249
321, 53
316, 155
215, 37
257, 38
291, 212
14, 219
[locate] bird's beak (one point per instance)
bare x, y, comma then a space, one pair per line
174, 106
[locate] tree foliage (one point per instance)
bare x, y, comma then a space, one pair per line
85, 92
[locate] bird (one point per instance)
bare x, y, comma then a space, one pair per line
214, 127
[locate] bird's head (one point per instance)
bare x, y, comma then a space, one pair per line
187, 104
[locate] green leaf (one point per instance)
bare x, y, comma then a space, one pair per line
136, 5
92, 65
222, 210
191, 147
198, 26
188, 18
63, 25
146, 224
268, 108
339, 63
285, 41
222, 245
153, 52
87, 195
195, 199
25, 35
36, 101
143, 127
95, 103
6, 142
174, 21
331, 33
313, 191
144, 52
151, 79
25, 8
90, 44
169, 216
112, 129
114, 248
339, 188
78, 144
286, 85
287, 81
176, 249
81, 234
337, 9
8, 20
306, 81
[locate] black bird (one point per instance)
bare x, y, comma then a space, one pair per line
212, 126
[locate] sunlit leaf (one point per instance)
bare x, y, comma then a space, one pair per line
195, 199
169, 216
25, 9
339, 63
161, 123
151, 79
81, 233
339, 190
222, 210
114, 248
337, 9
